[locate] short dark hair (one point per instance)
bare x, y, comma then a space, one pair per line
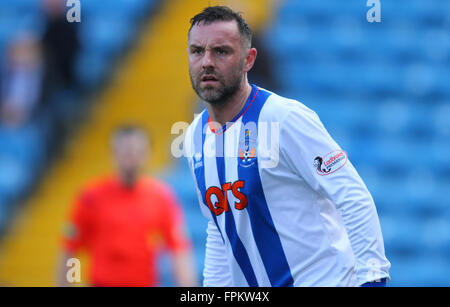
127, 130
223, 13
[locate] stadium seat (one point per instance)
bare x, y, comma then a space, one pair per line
91, 69
419, 271
106, 36
400, 235
14, 178
128, 9
440, 124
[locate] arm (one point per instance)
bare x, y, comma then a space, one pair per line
75, 237
177, 241
217, 271
184, 269
304, 138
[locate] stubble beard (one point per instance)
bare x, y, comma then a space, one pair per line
222, 94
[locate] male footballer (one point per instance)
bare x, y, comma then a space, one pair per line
285, 205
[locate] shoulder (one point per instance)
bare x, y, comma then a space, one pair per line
95, 188
279, 108
193, 132
97, 185
162, 188
195, 124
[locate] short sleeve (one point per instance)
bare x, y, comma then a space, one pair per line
174, 232
79, 227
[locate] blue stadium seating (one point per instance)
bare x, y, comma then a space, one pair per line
420, 271
107, 28
106, 31
383, 91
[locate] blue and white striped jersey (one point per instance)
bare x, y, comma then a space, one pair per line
285, 205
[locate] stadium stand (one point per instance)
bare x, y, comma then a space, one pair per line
105, 33
28, 149
382, 90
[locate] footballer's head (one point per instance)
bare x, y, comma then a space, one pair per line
130, 146
219, 53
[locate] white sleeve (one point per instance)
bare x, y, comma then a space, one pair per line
216, 272
303, 138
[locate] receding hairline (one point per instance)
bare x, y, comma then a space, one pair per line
212, 14
245, 39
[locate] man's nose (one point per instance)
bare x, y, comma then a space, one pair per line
207, 60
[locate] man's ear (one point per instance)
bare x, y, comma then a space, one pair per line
250, 57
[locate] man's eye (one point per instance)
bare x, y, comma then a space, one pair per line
221, 51
196, 51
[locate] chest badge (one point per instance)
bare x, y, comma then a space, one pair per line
247, 150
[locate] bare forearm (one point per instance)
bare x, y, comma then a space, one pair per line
184, 269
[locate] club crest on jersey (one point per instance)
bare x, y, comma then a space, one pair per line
330, 163
247, 150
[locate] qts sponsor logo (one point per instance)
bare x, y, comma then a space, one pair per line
330, 163
221, 205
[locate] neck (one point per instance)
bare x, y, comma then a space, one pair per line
128, 179
224, 112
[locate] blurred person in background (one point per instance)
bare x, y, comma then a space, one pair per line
61, 45
21, 80
123, 220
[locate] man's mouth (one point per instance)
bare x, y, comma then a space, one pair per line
209, 79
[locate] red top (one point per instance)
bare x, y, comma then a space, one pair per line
122, 229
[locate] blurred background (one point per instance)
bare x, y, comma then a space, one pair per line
382, 90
